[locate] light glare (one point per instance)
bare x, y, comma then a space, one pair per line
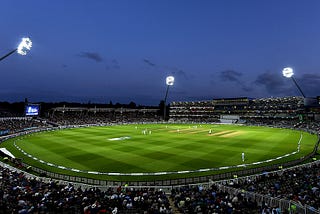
287, 72
24, 46
170, 80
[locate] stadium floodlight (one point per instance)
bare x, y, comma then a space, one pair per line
288, 73
22, 49
24, 46
169, 82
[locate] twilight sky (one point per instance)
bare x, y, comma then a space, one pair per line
122, 51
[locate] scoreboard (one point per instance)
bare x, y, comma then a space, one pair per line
32, 109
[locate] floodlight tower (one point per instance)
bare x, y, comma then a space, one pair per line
288, 72
22, 49
169, 82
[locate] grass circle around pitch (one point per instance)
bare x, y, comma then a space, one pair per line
152, 148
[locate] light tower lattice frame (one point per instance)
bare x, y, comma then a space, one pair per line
169, 82
288, 73
22, 49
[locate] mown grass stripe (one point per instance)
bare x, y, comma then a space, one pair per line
162, 150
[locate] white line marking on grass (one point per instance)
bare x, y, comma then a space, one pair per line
224, 167
182, 172
137, 174
114, 173
120, 138
92, 172
298, 148
160, 173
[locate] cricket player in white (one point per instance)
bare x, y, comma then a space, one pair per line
242, 156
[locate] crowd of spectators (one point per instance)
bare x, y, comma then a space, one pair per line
312, 126
280, 107
20, 194
17, 124
23, 194
95, 116
200, 200
78, 118
276, 104
299, 184
275, 122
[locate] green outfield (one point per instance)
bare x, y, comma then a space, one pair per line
154, 148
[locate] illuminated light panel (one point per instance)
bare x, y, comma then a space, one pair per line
287, 72
24, 46
170, 80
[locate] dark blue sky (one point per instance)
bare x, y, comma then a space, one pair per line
123, 50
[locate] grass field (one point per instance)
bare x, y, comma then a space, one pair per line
150, 148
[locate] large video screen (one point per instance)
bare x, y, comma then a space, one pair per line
32, 110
